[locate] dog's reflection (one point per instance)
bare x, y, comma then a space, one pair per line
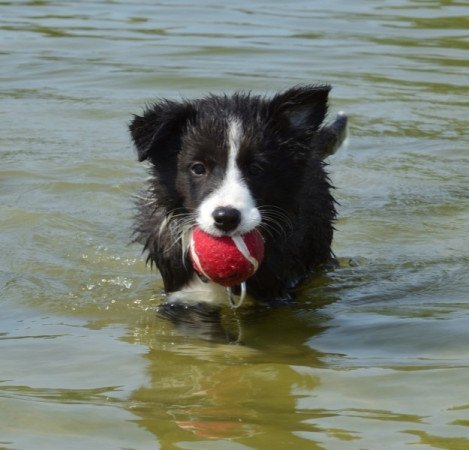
201, 386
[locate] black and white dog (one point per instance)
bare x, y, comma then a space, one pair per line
229, 164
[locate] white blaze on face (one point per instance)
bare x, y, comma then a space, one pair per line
233, 192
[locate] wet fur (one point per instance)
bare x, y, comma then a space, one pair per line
283, 139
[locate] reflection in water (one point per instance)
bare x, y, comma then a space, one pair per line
203, 321
214, 390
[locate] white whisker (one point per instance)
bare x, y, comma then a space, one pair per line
275, 220
179, 225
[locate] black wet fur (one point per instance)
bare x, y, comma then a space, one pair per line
284, 139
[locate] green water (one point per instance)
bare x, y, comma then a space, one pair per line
374, 355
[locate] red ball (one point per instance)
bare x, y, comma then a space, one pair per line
226, 260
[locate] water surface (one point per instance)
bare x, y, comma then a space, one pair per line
374, 354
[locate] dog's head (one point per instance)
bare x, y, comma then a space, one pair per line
227, 160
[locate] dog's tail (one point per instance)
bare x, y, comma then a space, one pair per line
330, 137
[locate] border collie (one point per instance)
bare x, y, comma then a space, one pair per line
229, 164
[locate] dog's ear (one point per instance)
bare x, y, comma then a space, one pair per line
159, 128
301, 108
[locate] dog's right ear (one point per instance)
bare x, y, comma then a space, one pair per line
159, 128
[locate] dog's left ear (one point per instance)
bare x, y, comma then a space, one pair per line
303, 108
158, 130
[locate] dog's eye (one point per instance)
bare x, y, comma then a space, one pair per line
254, 169
198, 169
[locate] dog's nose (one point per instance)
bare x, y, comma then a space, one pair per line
226, 218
